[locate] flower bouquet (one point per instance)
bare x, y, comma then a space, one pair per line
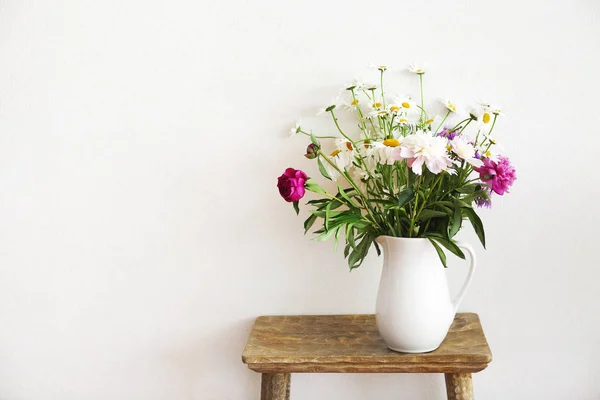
401, 171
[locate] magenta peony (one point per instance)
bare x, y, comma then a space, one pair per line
291, 184
498, 175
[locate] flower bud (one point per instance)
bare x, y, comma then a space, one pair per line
312, 151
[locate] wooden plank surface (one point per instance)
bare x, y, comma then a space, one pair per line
351, 343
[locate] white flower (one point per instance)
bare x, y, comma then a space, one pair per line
369, 86
330, 107
406, 104
450, 105
295, 129
465, 150
416, 68
348, 101
356, 85
380, 67
343, 155
379, 113
423, 148
491, 150
483, 115
382, 152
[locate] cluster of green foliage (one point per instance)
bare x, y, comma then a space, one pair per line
416, 206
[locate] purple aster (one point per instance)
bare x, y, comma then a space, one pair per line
447, 133
483, 202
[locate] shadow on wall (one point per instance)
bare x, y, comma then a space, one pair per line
201, 366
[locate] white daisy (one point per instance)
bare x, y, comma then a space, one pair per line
483, 117
465, 150
295, 129
416, 68
382, 112
330, 107
348, 101
450, 105
382, 152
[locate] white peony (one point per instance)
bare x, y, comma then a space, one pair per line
423, 148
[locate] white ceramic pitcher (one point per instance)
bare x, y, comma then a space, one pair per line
414, 310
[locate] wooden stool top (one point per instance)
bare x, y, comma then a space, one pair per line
351, 343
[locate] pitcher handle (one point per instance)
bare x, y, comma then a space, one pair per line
472, 262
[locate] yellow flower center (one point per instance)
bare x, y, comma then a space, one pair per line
355, 102
488, 154
349, 146
449, 148
391, 142
428, 121
486, 118
405, 104
394, 108
335, 153
451, 107
377, 105
382, 112
403, 120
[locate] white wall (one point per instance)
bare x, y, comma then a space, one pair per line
141, 230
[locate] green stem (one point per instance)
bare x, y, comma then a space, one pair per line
457, 125
319, 137
382, 94
351, 182
338, 126
442, 123
467, 124
422, 100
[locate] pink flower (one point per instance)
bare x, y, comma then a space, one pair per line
291, 184
498, 175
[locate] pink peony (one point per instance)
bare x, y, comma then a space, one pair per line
498, 175
291, 184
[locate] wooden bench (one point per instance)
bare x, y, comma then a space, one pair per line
281, 345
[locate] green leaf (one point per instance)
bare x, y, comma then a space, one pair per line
314, 140
326, 235
456, 220
336, 238
405, 196
296, 208
428, 214
477, 224
322, 169
357, 256
440, 252
467, 189
346, 197
313, 186
309, 222
350, 235
449, 244
347, 250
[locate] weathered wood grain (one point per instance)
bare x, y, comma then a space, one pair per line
351, 343
459, 386
275, 387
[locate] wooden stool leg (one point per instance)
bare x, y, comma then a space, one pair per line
275, 387
459, 386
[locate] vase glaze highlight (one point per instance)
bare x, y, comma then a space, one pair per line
414, 309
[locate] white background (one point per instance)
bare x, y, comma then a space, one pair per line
141, 231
